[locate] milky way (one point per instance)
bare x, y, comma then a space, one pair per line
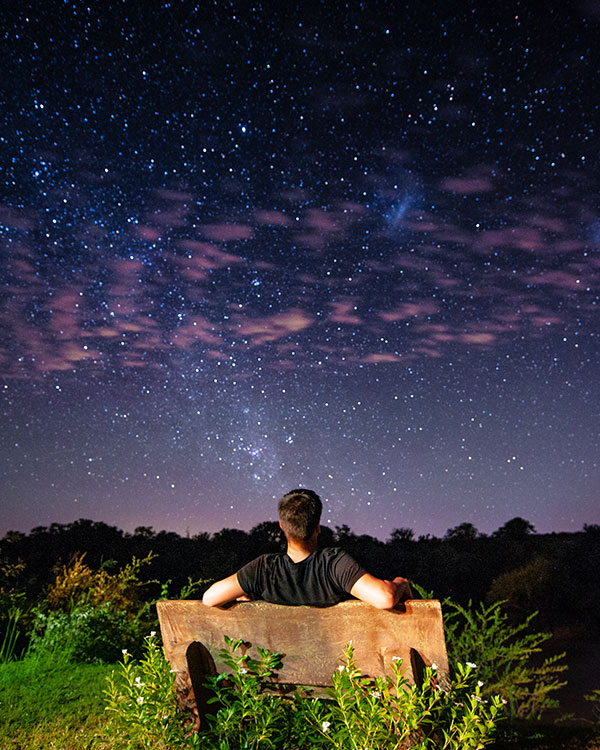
350, 247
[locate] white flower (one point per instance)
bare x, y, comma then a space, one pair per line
341, 668
152, 634
138, 682
125, 652
434, 667
396, 658
375, 694
325, 726
479, 683
471, 665
243, 671
140, 699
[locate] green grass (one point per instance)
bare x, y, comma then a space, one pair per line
47, 704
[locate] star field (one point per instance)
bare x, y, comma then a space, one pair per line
354, 247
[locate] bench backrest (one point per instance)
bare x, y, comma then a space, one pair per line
311, 640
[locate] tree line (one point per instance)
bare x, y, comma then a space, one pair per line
556, 574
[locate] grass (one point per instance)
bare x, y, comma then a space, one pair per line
48, 704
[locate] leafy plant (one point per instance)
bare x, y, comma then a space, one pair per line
141, 701
247, 716
85, 634
505, 655
388, 712
385, 712
594, 697
77, 582
189, 589
9, 635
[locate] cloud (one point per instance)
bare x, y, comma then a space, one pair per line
467, 185
383, 357
195, 328
344, 312
272, 327
226, 232
273, 218
204, 256
409, 310
558, 279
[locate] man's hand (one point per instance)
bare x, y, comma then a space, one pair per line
403, 589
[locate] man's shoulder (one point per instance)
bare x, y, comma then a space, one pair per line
268, 558
332, 553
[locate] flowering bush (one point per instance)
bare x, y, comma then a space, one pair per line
141, 701
388, 712
385, 712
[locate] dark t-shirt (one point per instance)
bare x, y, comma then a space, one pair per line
322, 579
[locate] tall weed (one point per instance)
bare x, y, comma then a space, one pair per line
506, 657
9, 635
77, 583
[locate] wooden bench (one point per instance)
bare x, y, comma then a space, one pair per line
311, 640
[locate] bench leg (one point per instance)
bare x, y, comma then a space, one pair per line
200, 666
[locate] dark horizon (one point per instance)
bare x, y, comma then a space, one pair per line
188, 534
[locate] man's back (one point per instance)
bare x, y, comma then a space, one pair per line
323, 578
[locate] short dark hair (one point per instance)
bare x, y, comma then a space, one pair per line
300, 513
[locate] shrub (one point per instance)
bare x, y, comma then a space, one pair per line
505, 655
85, 634
247, 716
362, 712
594, 697
77, 582
389, 713
141, 701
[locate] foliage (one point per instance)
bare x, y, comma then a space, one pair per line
14, 620
387, 712
85, 634
523, 589
188, 590
9, 635
362, 713
141, 701
505, 654
77, 582
594, 697
246, 715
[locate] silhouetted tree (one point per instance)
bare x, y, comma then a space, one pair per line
516, 528
402, 535
464, 532
267, 537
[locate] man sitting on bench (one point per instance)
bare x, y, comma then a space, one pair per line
305, 575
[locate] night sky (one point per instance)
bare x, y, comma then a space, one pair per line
252, 246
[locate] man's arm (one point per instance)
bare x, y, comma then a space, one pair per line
223, 591
381, 594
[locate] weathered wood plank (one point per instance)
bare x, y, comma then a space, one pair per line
310, 639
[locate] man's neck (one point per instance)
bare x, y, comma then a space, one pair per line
299, 550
